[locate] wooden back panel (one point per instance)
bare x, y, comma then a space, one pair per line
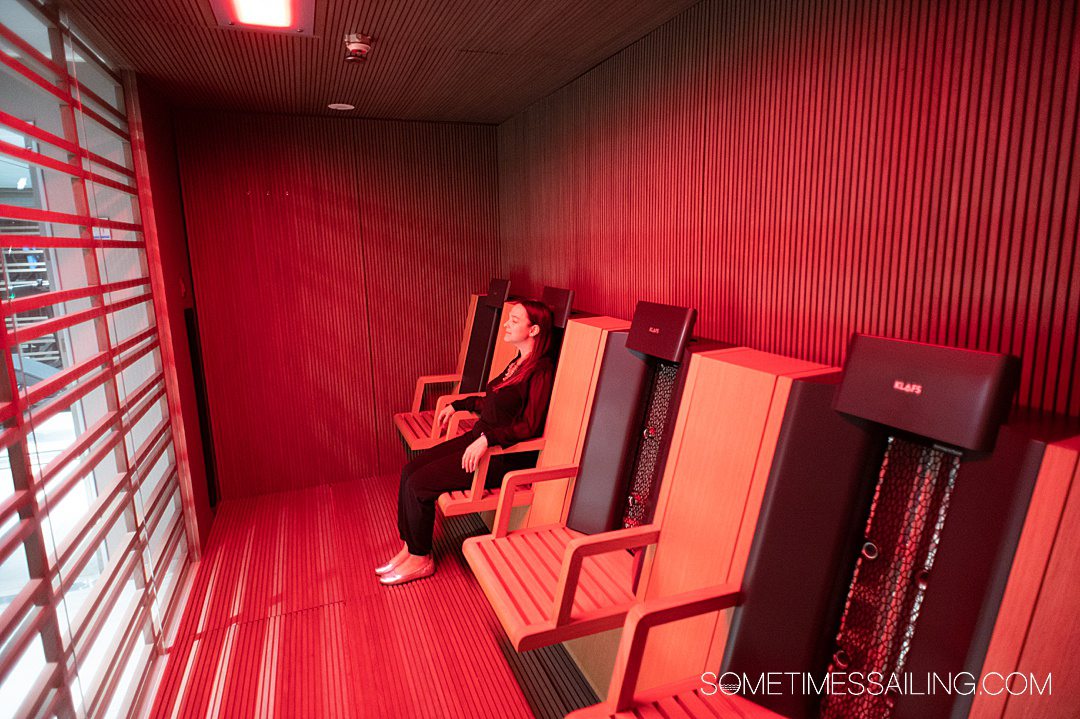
470, 315
718, 466
571, 399
1038, 620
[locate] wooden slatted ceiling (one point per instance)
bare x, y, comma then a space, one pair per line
802, 171
332, 262
286, 618
463, 60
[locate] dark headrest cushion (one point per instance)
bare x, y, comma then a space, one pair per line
957, 397
498, 291
561, 302
661, 330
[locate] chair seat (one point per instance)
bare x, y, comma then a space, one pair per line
415, 429
519, 573
453, 504
685, 700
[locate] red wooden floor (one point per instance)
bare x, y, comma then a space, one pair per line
286, 619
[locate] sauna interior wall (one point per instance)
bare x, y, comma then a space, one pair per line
802, 171
332, 262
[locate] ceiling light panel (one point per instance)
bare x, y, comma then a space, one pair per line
296, 17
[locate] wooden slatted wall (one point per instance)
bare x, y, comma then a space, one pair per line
802, 171
332, 262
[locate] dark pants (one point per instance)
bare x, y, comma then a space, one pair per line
435, 471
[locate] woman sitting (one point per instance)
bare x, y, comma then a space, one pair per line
512, 411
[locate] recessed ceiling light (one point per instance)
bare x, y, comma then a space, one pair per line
264, 13
292, 16
341, 106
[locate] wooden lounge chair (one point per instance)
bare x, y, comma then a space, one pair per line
551, 580
480, 350
561, 303
420, 430
808, 464
583, 345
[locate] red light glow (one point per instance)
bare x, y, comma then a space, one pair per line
263, 13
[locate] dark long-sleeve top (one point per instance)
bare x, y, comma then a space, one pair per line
515, 412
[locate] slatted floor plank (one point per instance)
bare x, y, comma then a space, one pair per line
286, 618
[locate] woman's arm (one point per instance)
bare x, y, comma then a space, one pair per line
531, 422
468, 404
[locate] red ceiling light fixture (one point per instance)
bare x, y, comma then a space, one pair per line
263, 13
291, 16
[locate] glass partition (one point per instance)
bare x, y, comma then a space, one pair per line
92, 540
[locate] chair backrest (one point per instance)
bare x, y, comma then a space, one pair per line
482, 337
875, 500
633, 406
571, 399
561, 302
805, 543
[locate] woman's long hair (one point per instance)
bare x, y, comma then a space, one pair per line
539, 315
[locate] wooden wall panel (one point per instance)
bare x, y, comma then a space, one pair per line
802, 171
332, 262
600, 181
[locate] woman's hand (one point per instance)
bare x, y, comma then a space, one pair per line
473, 453
444, 416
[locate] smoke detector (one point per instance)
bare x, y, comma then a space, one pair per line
357, 47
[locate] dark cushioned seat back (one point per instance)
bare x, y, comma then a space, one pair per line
482, 338
804, 545
561, 303
620, 446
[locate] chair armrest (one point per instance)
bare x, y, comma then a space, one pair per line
587, 546
513, 480
480, 475
448, 398
453, 425
654, 612
424, 380
646, 615
528, 445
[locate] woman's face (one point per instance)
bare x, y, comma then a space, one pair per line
517, 326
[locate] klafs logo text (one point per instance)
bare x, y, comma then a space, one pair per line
908, 387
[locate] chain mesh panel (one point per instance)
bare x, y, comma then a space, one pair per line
901, 539
647, 455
